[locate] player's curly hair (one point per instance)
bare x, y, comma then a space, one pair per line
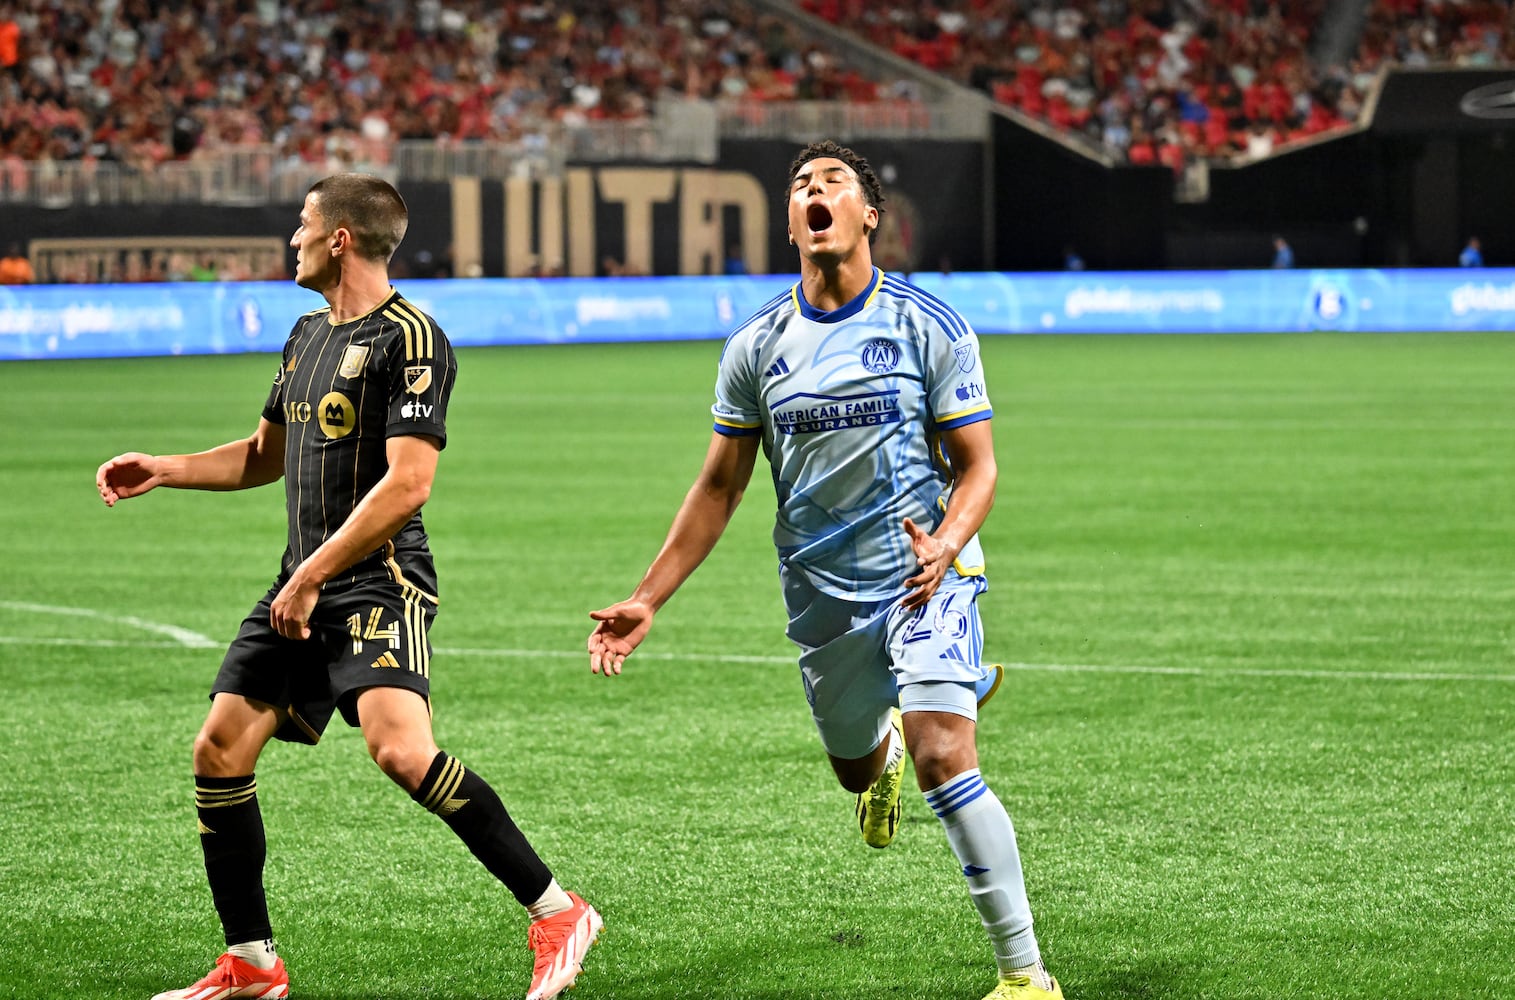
369, 207
873, 191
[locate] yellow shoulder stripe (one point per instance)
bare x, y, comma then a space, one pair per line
419, 338
963, 413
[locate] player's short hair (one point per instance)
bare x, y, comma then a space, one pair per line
368, 207
873, 191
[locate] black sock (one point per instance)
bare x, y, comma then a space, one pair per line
466, 803
231, 835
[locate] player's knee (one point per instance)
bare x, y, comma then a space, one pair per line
406, 765
940, 758
213, 755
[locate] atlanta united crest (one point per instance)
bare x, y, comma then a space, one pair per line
881, 356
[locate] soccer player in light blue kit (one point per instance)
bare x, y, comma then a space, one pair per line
867, 395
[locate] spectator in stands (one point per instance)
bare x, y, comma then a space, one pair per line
1472, 254
10, 39
331, 87
1164, 81
141, 83
1283, 254
15, 268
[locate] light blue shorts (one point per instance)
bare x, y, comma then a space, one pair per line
859, 660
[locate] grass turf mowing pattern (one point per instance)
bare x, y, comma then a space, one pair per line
1317, 526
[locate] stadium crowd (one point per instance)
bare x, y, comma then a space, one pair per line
139, 82
1158, 81
1169, 81
332, 84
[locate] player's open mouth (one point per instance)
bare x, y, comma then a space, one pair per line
818, 218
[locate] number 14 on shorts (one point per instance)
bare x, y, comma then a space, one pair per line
360, 631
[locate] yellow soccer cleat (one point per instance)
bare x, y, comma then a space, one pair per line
879, 808
1021, 988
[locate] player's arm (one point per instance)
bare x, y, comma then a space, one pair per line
237, 465
974, 474
381, 513
701, 519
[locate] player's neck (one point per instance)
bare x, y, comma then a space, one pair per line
357, 293
832, 285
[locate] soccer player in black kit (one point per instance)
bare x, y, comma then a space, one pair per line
354, 424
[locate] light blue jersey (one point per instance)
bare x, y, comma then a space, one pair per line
850, 405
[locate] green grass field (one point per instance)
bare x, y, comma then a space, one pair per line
1257, 743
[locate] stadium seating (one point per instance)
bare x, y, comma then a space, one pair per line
142, 83
1158, 81
1168, 81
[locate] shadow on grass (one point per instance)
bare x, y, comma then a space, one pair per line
1154, 980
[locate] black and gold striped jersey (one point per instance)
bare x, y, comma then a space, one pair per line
342, 390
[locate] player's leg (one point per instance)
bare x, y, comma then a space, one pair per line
230, 821
852, 699
863, 735
382, 683
936, 655
234, 847
880, 805
397, 728
858, 774
978, 828
243, 717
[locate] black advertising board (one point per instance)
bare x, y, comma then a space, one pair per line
1446, 101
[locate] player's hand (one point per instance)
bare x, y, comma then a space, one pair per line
128, 475
289, 615
935, 557
621, 628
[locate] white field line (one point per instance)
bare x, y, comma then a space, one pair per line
39, 640
193, 640
181, 636
1067, 668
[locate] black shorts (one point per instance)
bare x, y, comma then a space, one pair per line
371, 634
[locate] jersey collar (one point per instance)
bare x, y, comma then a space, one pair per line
852, 308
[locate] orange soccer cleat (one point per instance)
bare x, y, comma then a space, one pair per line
560, 942
233, 977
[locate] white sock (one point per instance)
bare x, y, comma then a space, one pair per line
1038, 975
259, 953
551, 902
980, 833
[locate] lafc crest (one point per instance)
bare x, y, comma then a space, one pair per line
352, 361
417, 379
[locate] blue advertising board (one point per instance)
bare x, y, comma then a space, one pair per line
1231, 301
76, 321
